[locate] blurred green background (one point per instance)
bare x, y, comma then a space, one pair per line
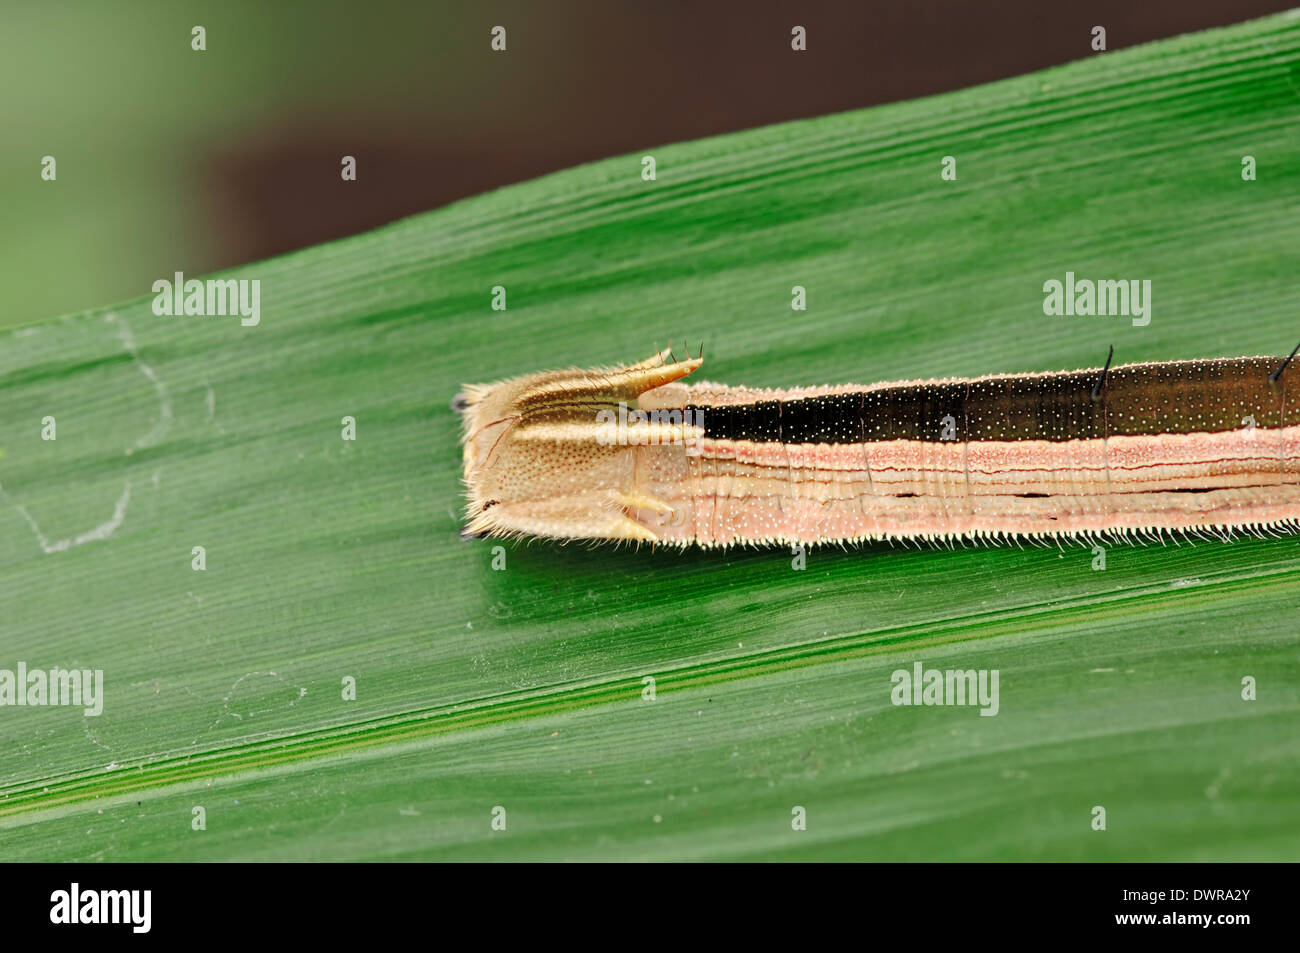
170, 160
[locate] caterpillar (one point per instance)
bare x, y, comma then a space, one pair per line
629, 453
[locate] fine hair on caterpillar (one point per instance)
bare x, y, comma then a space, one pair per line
633, 453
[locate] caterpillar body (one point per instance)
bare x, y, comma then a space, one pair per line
630, 453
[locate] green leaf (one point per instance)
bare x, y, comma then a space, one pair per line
523, 689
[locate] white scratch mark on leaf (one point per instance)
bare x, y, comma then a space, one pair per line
90, 736
210, 399
164, 422
103, 531
225, 702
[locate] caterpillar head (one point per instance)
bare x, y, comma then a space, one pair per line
548, 454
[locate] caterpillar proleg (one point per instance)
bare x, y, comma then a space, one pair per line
632, 453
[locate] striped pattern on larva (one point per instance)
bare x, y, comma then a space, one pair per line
628, 453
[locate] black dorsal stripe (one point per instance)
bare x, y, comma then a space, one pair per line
1175, 397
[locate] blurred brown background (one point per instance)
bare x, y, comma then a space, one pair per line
170, 159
